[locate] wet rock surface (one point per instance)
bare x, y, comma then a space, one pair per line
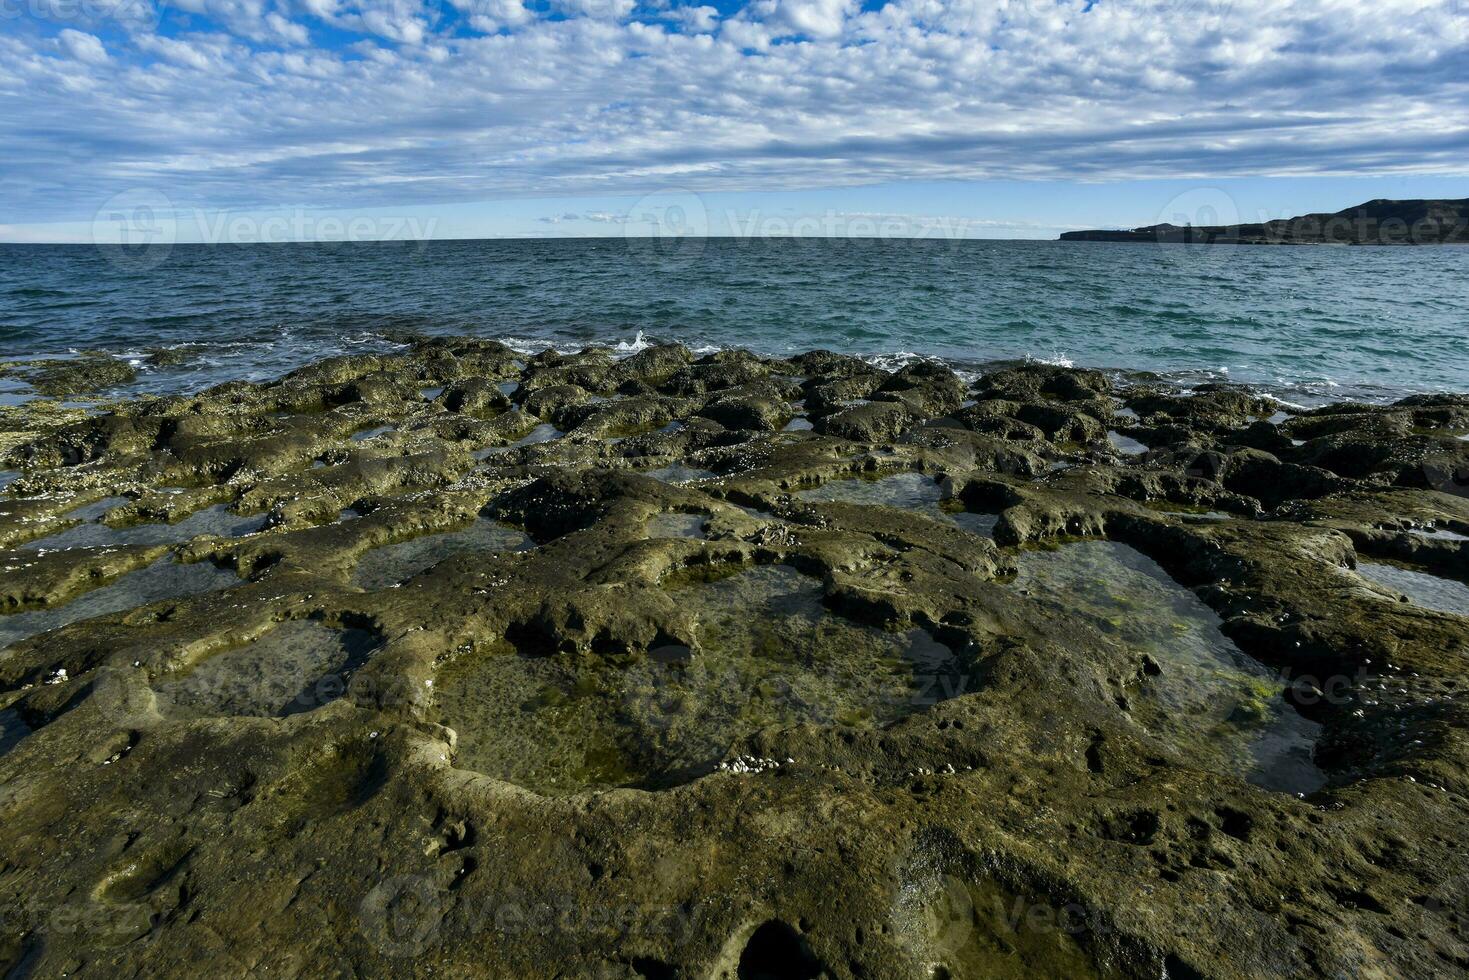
457, 662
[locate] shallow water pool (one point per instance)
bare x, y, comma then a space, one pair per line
905, 491
395, 563
765, 652
1126, 445
677, 526
211, 520
1221, 708
373, 433
295, 667
1439, 534
680, 473
545, 432
12, 730
166, 579
1422, 589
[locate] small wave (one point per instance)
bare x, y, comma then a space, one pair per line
36, 292
639, 343
896, 360
528, 347
1054, 359
1297, 406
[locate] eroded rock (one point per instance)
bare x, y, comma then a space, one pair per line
930, 689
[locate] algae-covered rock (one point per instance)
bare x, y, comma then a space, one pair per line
80, 374
576, 666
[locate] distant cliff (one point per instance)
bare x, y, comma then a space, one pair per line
1373, 223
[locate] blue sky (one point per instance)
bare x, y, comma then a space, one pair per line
266, 120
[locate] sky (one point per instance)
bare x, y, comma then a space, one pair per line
274, 120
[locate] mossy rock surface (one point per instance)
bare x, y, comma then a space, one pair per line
581, 667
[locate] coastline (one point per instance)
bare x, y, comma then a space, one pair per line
1378, 223
90, 381
699, 642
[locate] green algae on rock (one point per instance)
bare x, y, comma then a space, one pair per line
1196, 689
588, 666
762, 652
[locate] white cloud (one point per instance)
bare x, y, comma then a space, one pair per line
813, 18
198, 52
490, 16
430, 104
700, 20
604, 9
83, 47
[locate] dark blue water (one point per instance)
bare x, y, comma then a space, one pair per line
1308, 324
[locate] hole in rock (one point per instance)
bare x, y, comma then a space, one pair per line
777, 952
798, 424
1429, 591
651, 969
765, 652
295, 667
1220, 708
395, 563
165, 579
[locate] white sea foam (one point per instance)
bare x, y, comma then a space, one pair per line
1055, 359
639, 343
895, 360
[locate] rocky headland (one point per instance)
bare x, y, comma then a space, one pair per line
456, 662
1379, 222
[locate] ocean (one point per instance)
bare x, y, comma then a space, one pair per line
1306, 325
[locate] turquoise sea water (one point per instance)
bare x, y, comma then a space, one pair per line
1306, 324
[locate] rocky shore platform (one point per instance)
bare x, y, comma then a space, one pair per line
456, 662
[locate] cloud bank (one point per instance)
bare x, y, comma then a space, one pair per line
364, 103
